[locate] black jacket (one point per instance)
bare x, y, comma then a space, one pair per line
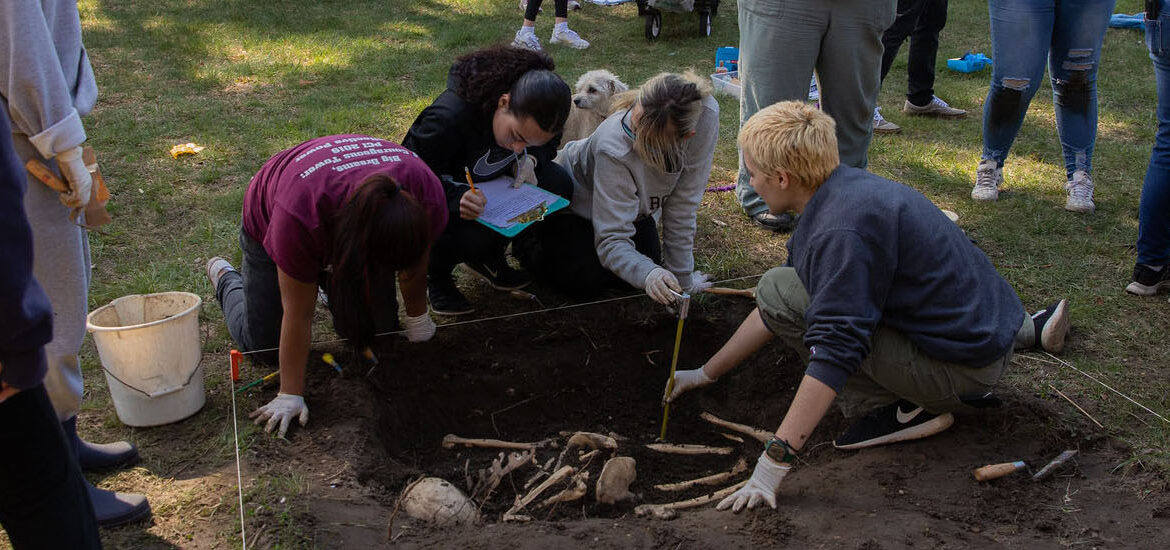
452, 134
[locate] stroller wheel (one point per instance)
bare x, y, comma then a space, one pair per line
705, 23
653, 25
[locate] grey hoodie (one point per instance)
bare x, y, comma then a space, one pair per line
613, 187
46, 82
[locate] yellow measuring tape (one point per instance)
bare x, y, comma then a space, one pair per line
683, 301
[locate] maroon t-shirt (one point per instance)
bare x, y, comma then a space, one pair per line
291, 201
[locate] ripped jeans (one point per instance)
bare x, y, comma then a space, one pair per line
1024, 35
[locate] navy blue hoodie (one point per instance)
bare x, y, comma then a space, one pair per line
24, 308
871, 251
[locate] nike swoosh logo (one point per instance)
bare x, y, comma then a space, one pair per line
491, 271
908, 416
483, 168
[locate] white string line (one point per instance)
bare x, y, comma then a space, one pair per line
1107, 386
236, 440
498, 317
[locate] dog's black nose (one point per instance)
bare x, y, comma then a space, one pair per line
577, 102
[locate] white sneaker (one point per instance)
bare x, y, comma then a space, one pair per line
1080, 193
574, 5
215, 269
526, 40
988, 178
936, 108
568, 37
883, 126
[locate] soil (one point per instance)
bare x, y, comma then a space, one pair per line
602, 368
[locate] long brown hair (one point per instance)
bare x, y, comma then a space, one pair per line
381, 230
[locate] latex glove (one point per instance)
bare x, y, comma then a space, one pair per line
525, 171
77, 176
281, 410
421, 328
699, 282
472, 204
762, 487
684, 381
659, 282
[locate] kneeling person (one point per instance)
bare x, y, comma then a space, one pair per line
893, 308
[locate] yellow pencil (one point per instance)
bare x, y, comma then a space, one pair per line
469, 182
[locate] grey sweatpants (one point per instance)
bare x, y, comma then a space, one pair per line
61, 265
782, 41
894, 369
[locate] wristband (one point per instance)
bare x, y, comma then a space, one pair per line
779, 450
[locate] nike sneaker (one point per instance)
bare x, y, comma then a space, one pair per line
499, 274
445, 297
899, 421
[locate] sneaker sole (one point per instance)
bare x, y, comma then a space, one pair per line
887, 131
935, 115
488, 280
931, 427
990, 198
1055, 330
568, 44
1138, 289
449, 313
1080, 209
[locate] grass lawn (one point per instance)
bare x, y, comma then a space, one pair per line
247, 78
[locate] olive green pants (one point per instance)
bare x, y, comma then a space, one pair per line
894, 369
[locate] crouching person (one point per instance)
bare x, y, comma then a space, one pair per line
900, 318
650, 159
349, 214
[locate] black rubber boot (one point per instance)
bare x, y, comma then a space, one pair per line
112, 509
98, 456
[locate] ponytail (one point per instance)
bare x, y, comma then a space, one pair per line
381, 230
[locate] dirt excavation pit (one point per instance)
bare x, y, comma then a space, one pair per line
601, 369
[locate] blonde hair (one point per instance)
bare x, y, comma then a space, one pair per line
671, 107
792, 137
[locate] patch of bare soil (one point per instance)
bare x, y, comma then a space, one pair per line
602, 369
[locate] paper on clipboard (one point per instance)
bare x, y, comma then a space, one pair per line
506, 205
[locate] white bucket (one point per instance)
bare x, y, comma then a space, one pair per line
149, 348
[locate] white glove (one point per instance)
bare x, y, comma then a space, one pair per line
281, 410
525, 171
77, 176
684, 381
659, 282
762, 487
699, 282
421, 328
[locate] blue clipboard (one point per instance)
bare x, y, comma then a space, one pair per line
555, 202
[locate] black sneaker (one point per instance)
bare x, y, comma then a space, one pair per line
900, 421
1147, 282
446, 298
781, 224
1052, 325
500, 276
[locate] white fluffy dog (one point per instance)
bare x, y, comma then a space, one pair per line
590, 106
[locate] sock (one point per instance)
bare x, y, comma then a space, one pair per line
561, 27
527, 30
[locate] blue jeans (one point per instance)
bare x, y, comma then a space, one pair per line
1068, 35
1153, 244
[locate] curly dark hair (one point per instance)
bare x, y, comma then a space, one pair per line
482, 76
